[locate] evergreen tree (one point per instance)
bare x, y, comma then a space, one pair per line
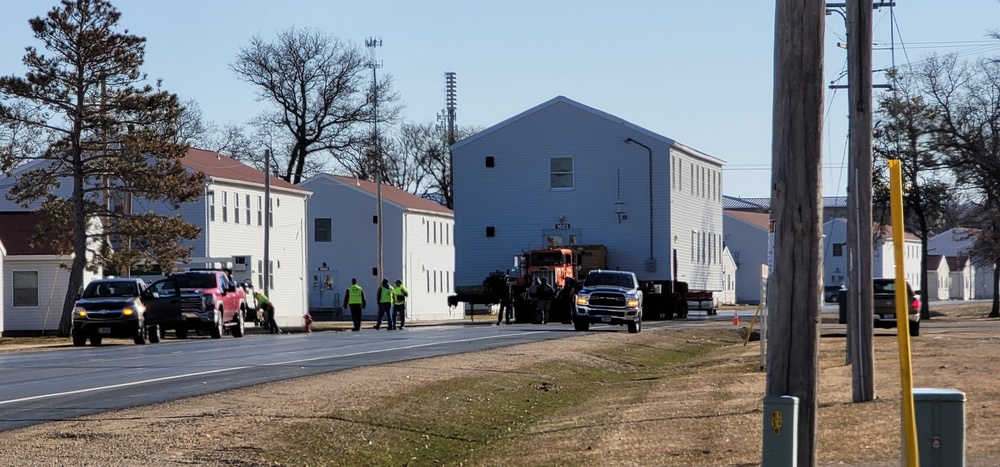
110, 139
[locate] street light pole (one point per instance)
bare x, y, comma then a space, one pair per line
651, 261
371, 43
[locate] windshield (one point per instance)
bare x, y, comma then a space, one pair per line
553, 258
111, 289
616, 280
196, 281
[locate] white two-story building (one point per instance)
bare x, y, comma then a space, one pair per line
417, 247
563, 173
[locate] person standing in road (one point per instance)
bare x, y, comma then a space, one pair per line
354, 297
544, 294
399, 294
385, 306
506, 295
263, 303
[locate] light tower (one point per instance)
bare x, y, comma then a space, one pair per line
372, 43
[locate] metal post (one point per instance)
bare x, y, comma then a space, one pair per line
265, 282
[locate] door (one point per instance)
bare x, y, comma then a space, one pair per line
162, 301
562, 237
325, 290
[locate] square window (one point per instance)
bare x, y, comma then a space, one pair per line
838, 249
489, 161
491, 231
25, 288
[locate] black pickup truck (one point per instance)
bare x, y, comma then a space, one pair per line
885, 306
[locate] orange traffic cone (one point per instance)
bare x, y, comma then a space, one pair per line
736, 318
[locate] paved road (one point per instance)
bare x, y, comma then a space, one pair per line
37, 387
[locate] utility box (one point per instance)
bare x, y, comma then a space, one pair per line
940, 420
781, 426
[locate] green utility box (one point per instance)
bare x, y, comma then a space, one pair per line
940, 419
781, 426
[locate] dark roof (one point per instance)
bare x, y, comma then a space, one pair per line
759, 219
216, 165
764, 204
16, 232
394, 195
957, 263
934, 262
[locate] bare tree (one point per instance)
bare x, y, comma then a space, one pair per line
905, 130
966, 97
320, 89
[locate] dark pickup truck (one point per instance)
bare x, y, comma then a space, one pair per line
110, 308
885, 306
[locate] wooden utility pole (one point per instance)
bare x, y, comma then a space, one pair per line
795, 290
859, 199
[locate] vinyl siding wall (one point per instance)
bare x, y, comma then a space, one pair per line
53, 280
748, 244
429, 262
515, 198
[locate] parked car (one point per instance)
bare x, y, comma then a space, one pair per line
611, 297
831, 293
197, 300
110, 308
885, 305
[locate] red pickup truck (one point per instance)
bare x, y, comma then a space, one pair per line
197, 300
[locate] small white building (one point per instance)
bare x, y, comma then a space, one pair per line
34, 278
563, 173
962, 278
746, 237
958, 242
418, 247
230, 215
938, 278
729, 269
883, 261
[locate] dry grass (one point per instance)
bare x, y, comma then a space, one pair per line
661, 397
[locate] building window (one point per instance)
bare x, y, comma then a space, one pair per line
225, 206
561, 173
270, 215
236, 208
248, 209
489, 161
323, 228
491, 231
260, 211
25, 288
838, 249
211, 206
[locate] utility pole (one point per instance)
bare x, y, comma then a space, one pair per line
860, 300
794, 290
371, 43
266, 270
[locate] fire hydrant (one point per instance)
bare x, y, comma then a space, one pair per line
309, 322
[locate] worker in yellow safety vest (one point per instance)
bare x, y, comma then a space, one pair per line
354, 297
399, 294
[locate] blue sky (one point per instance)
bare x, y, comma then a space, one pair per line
697, 71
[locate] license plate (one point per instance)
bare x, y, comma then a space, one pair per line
104, 330
606, 319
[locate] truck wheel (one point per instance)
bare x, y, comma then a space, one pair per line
581, 325
95, 341
240, 326
216, 331
140, 335
914, 328
634, 326
79, 339
181, 333
154, 334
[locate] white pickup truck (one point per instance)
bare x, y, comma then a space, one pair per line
611, 297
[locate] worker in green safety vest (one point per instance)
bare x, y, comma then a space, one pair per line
354, 297
399, 294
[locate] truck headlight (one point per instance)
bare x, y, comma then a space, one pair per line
128, 311
79, 312
632, 302
582, 300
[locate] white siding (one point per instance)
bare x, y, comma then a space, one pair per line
52, 283
425, 267
748, 244
609, 177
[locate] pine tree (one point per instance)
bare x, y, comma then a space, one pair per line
109, 138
